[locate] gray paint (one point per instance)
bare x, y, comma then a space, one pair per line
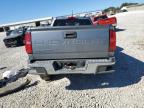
86, 43
50, 43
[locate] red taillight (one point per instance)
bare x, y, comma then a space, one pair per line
112, 42
28, 43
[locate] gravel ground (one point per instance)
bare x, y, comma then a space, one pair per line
122, 89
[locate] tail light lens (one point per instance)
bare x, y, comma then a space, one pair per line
112, 44
28, 43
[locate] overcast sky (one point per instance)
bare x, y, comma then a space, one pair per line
19, 10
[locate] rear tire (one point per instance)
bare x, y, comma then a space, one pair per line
43, 73
45, 77
7, 46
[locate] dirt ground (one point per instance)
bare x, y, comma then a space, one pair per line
122, 89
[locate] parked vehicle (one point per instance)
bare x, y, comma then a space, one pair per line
15, 37
104, 20
8, 32
100, 17
71, 46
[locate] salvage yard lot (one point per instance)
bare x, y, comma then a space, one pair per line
122, 89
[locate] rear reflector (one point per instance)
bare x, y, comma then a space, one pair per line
28, 43
112, 44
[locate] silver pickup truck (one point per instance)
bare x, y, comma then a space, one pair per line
71, 46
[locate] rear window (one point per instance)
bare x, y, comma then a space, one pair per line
14, 32
71, 22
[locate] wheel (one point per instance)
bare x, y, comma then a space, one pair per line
43, 74
8, 46
45, 77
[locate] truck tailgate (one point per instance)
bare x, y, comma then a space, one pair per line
70, 42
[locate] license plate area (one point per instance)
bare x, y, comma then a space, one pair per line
69, 65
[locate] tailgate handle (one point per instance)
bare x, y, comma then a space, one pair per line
70, 35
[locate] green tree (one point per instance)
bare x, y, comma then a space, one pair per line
127, 4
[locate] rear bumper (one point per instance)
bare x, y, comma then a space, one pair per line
92, 66
9, 42
18, 41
